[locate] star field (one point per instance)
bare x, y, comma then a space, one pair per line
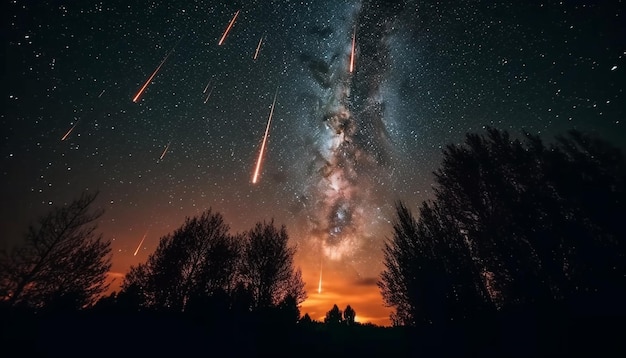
342, 146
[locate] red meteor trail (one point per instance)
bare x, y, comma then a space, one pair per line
256, 53
68, 132
232, 22
138, 247
145, 85
352, 52
165, 151
255, 177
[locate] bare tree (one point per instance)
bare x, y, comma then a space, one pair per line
61, 260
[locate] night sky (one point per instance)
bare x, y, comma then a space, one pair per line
342, 147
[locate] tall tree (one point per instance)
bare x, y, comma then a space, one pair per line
334, 316
513, 222
429, 276
198, 260
349, 315
267, 267
62, 260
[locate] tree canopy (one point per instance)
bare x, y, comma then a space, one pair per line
202, 268
199, 259
513, 222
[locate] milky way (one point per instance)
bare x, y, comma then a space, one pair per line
351, 146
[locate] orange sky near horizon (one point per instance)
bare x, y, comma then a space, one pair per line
349, 280
365, 299
342, 283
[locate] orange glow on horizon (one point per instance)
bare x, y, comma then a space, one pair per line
343, 284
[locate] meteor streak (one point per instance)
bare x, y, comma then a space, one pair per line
165, 151
255, 177
68, 132
208, 95
258, 47
207, 87
138, 247
145, 85
319, 285
232, 22
352, 52
101, 93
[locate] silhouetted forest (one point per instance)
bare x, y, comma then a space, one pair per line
521, 252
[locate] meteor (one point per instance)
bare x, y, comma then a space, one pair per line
165, 151
232, 22
207, 87
208, 95
145, 85
319, 285
68, 132
255, 177
352, 52
101, 93
138, 247
258, 47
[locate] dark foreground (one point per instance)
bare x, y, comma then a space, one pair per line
115, 334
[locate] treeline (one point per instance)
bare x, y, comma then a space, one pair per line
521, 252
204, 271
523, 241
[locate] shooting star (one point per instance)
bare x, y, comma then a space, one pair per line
68, 132
352, 51
208, 95
139, 246
232, 22
145, 85
255, 177
101, 93
207, 87
319, 285
165, 150
258, 47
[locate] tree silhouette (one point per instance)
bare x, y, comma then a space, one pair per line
334, 316
306, 320
513, 223
267, 267
349, 316
198, 260
62, 264
428, 271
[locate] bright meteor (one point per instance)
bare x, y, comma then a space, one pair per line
139, 246
208, 95
165, 151
145, 85
319, 285
352, 52
255, 177
232, 22
68, 132
258, 47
